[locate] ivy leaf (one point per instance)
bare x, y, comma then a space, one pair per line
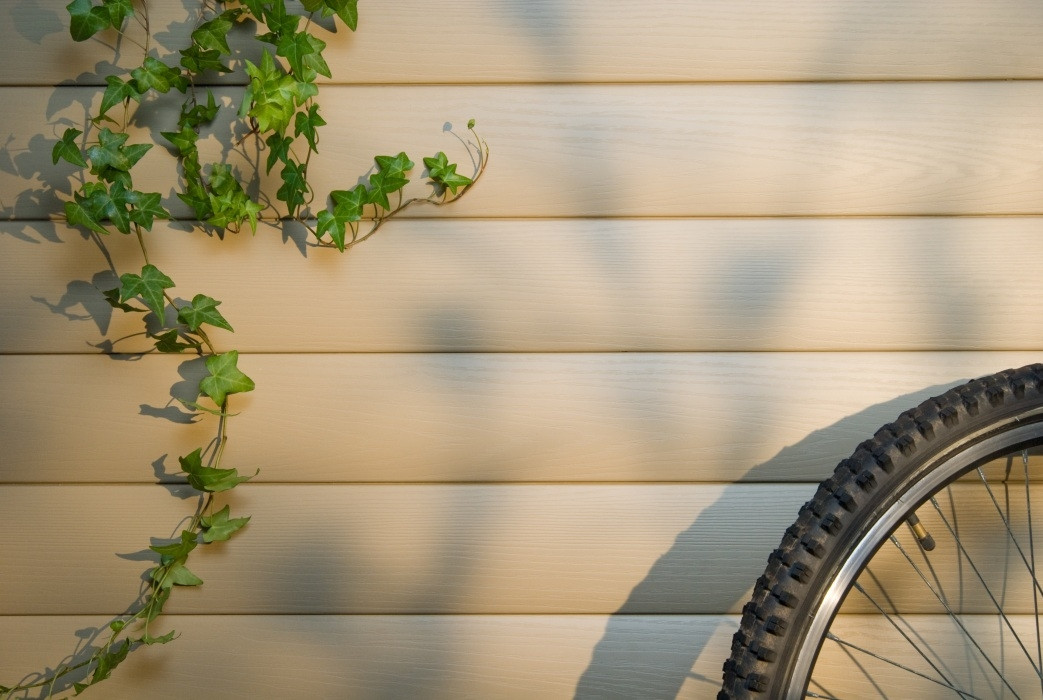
273, 96
111, 159
79, 215
304, 54
278, 149
153, 74
219, 527
294, 186
149, 285
119, 10
184, 141
280, 22
389, 178
107, 662
347, 10
117, 91
307, 123
213, 35
68, 149
348, 204
183, 547
170, 341
145, 208
208, 479
86, 20
203, 309
162, 639
225, 377
196, 60
444, 173
113, 297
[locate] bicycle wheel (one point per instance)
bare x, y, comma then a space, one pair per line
912, 571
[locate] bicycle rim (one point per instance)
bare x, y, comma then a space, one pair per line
854, 605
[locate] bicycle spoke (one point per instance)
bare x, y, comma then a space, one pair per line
953, 616
1010, 533
988, 591
1032, 555
887, 616
833, 638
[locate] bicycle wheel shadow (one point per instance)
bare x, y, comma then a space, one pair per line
656, 645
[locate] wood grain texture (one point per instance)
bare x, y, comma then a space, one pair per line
461, 549
483, 41
559, 286
399, 656
496, 418
631, 150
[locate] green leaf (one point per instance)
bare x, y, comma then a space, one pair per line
444, 173
304, 54
203, 309
349, 204
170, 341
68, 149
225, 377
278, 149
149, 285
307, 123
219, 527
294, 186
86, 20
111, 159
184, 141
153, 74
209, 479
279, 21
347, 10
389, 178
213, 35
180, 549
273, 96
197, 60
106, 663
145, 208
119, 10
113, 297
162, 639
195, 116
118, 91
79, 215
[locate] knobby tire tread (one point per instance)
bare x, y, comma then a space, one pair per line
827, 527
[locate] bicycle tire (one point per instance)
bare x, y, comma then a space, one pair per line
862, 506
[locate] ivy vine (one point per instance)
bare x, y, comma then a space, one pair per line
279, 111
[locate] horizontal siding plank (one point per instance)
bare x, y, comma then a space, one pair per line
559, 285
628, 417
608, 40
404, 549
519, 656
632, 150
477, 656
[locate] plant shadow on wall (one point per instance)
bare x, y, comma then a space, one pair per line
265, 135
653, 641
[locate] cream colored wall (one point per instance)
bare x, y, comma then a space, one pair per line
540, 443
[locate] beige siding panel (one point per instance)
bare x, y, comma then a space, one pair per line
584, 285
401, 656
638, 150
842, 672
483, 41
627, 417
403, 549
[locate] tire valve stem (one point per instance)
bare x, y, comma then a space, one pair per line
922, 536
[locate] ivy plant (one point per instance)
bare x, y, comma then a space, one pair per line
278, 109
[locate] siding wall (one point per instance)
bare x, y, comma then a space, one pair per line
541, 442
